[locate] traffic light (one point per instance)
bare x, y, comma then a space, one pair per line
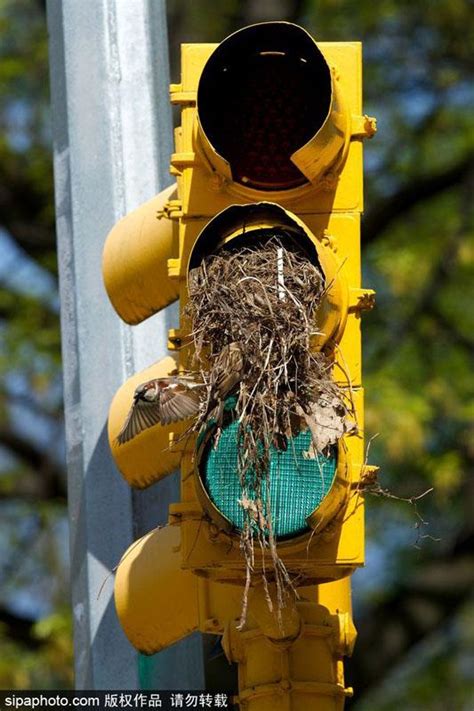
269, 146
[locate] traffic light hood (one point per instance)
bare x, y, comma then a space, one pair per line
270, 112
247, 222
135, 266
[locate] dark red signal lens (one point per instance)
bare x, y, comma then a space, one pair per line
263, 94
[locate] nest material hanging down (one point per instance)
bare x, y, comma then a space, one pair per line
253, 309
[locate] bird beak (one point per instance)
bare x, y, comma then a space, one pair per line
137, 394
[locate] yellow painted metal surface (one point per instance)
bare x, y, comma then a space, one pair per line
135, 261
330, 212
189, 576
292, 672
150, 455
329, 215
156, 601
292, 664
320, 159
159, 603
337, 599
283, 664
332, 552
330, 137
201, 190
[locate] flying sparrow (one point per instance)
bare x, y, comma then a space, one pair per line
161, 401
177, 397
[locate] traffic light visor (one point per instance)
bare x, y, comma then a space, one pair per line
245, 222
264, 93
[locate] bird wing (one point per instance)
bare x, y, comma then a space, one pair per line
178, 403
141, 416
174, 404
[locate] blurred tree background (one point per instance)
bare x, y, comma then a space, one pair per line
413, 602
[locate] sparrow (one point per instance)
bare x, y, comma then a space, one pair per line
177, 397
161, 401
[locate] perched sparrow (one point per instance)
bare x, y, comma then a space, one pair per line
161, 401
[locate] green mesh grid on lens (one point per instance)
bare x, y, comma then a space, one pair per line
297, 484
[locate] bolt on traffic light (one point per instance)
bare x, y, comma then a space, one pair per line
268, 165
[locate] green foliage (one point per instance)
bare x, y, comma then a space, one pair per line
39, 656
47, 663
438, 676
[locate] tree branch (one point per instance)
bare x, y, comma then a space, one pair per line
19, 629
52, 477
416, 607
23, 207
390, 209
446, 325
441, 273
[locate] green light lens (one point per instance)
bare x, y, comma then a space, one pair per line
298, 484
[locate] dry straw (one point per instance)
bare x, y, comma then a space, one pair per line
254, 312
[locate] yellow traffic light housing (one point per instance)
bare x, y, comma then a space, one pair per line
260, 139
270, 138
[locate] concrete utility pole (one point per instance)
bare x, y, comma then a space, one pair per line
112, 142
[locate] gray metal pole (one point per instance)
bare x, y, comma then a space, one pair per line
112, 141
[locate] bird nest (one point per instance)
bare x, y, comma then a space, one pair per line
254, 309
